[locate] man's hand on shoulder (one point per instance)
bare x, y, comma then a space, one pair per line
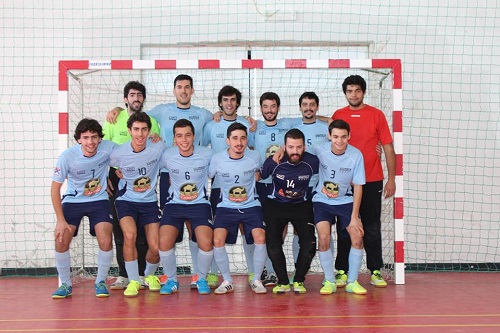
113, 114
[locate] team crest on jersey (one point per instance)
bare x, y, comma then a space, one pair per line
238, 194
331, 190
142, 184
92, 187
188, 192
57, 171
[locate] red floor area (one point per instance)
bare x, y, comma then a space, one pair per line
429, 302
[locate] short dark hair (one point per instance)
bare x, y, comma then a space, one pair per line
87, 124
229, 91
134, 85
309, 95
181, 123
182, 77
295, 133
140, 117
235, 126
340, 124
270, 96
354, 80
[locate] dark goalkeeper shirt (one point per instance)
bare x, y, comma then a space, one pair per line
290, 181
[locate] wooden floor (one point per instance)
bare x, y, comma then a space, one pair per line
428, 302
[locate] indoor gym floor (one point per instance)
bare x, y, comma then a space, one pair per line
428, 302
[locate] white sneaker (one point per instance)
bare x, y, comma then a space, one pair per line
258, 287
224, 288
119, 284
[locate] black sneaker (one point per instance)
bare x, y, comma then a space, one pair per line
270, 280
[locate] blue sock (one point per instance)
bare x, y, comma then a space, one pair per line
169, 262
355, 261
248, 249
326, 260
132, 268
193, 249
204, 262
150, 268
295, 248
214, 269
104, 260
259, 259
63, 264
220, 255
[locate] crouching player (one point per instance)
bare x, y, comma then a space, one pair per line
137, 202
235, 169
341, 170
187, 200
85, 166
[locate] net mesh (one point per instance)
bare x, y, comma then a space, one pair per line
92, 92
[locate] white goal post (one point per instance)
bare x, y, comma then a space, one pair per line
254, 74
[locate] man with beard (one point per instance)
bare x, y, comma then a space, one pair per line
290, 201
268, 137
214, 134
134, 96
369, 128
236, 169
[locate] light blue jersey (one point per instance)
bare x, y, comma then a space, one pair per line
236, 178
215, 133
87, 176
168, 114
314, 133
268, 139
188, 175
140, 171
337, 174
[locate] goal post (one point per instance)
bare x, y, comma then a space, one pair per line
89, 88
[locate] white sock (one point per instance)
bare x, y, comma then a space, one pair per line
63, 265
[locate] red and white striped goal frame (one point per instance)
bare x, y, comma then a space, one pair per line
397, 116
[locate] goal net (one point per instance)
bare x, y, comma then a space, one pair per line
91, 88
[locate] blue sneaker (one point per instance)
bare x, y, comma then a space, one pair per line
203, 288
169, 287
101, 289
63, 291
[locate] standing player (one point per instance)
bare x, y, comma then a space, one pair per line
166, 115
188, 200
314, 131
214, 134
369, 129
290, 202
269, 135
134, 96
337, 199
85, 166
236, 170
137, 203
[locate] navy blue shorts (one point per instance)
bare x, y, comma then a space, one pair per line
96, 211
214, 199
230, 219
332, 214
143, 213
176, 214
